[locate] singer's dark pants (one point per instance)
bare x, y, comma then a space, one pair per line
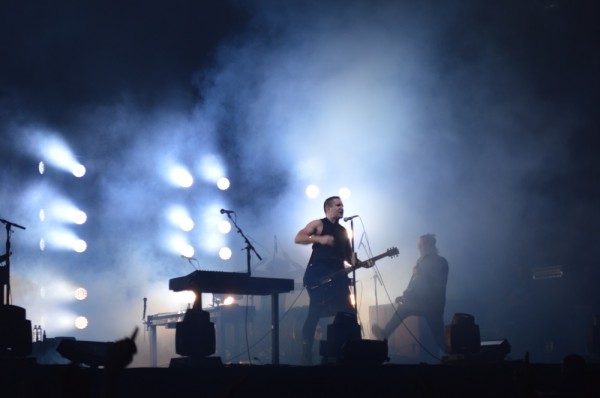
337, 299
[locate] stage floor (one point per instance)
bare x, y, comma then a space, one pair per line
26, 378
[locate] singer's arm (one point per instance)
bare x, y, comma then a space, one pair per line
312, 234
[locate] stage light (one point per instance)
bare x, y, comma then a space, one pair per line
178, 244
224, 227
63, 210
42, 244
184, 297
78, 170
66, 240
58, 291
42, 215
81, 322
223, 183
58, 321
225, 253
181, 176
312, 191
57, 153
179, 216
211, 168
187, 224
79, 246
344, 193
78, 217
187, 251
80, 293
228, 300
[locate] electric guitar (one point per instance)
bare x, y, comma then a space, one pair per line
315, 279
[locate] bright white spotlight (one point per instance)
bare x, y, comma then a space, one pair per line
58, 290
187, 224
41, 167
228, 300
225, 253
42, 215
79, 246
78, 170
188, 251
80, 293
64, 239
81, 322
42, 244
211, 168
60, 320
180, 176
185, 297
223, 183
344, 193
79, 217
224, 226
179, 216
56, 152
64, 211
178, 243
312, 191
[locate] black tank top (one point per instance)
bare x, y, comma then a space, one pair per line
335, 255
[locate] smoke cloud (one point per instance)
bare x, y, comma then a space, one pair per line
467, 120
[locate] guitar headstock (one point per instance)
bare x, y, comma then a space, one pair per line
392, 252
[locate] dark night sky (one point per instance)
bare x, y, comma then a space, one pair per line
475, 119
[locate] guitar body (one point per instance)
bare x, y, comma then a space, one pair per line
328, 287
331, 296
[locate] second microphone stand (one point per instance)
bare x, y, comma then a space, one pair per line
249, 248
354, 262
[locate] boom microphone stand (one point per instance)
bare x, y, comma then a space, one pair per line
15, 339
5, 271
354, 261
249, 248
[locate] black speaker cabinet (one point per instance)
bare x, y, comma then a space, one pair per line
16, 338
344, 328
195, 335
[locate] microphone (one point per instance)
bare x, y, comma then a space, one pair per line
144, 314
223, 211
350, 218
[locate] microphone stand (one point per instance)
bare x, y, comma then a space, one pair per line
248, 247
5, 271
376, 278
354, 262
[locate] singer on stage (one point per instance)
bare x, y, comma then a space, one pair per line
330, 248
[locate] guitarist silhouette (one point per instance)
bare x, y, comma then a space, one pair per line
326, 277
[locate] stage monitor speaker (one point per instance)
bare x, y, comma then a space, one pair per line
90, 353
195, 335
16, 337
364, 352
344, 328
494, 350
593, 336
462, 335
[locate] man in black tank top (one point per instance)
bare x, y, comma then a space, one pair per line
330, 249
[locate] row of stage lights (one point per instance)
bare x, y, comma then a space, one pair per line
58, 155
59, 215
56, 216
